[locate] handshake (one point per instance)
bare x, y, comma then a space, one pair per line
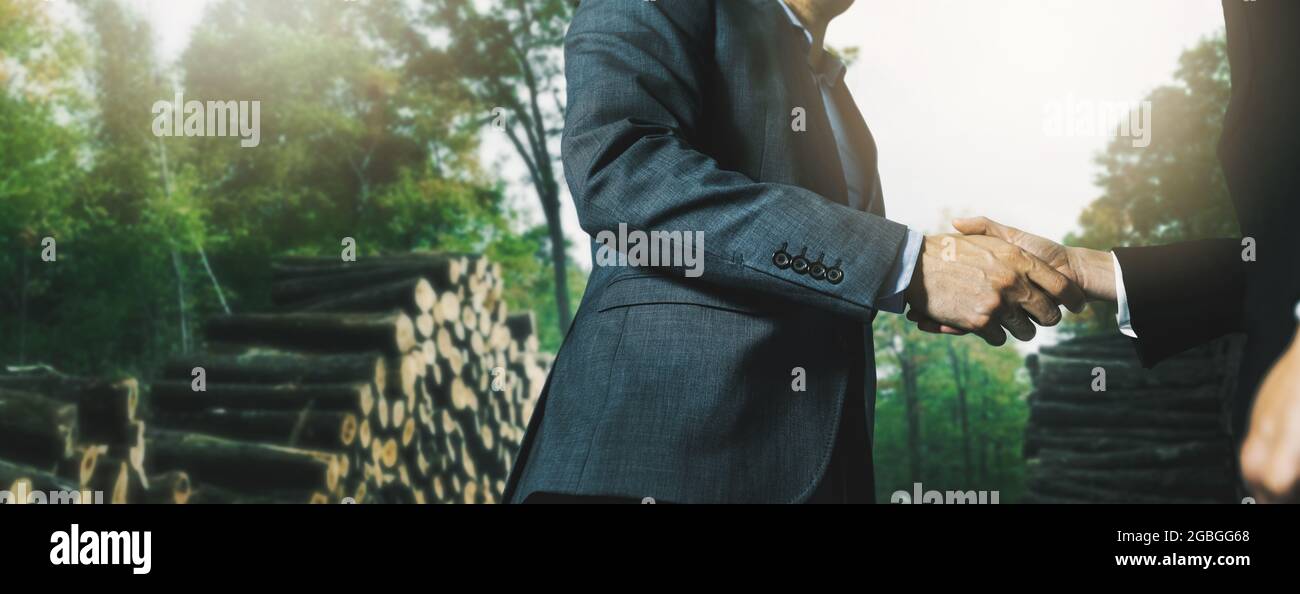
991, 279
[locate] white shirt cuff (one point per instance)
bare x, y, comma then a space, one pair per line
1122, 315
901, 275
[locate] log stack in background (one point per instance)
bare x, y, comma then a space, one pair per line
66, 433
398, 379
1153, 436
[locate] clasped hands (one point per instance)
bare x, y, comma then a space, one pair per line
994, 276
990, 280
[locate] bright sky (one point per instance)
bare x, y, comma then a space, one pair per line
956, 93
173, 20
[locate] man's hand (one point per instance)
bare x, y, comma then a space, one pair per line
1092, 270
982, 284
1270, 457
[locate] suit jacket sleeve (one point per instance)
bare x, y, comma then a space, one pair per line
635, 74
1183, 295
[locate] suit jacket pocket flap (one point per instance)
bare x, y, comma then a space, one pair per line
660, 289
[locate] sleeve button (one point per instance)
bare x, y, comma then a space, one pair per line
800, 263
781, 259
817, 270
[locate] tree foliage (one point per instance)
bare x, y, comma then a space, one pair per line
926, 442
352, 145
1174, 189
504, 56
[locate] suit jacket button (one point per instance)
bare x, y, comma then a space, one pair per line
817, 270
800, 262
781, 259
834, 275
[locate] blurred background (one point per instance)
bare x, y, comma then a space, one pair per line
377, 123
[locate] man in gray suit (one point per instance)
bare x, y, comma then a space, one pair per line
746, 376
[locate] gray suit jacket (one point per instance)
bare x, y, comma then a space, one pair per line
680, 119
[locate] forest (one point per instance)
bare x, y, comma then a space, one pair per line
116, 242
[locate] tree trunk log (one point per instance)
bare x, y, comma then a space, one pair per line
242, 465
36, 430
165, 488
103, 407
1185, 455
391, 333
11, 473
178, 396
306, 288
1071, 416
312, 429
281, 368
412, 295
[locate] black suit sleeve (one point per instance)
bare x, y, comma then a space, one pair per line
1183, 295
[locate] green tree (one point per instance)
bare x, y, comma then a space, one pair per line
85, 177
348, 149
506, 56
950, 413
1174, 189
351, 147
37, 161
356, 143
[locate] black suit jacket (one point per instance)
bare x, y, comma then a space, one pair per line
1186, 294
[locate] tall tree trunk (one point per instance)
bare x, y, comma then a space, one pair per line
984, 462
907, 367
177, 268
913, 420
959, 379
997, 459
983, 415
22, 310
221, 296
180, 300
559, 259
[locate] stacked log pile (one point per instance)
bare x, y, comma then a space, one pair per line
391, 379
1152, 436
73, 434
